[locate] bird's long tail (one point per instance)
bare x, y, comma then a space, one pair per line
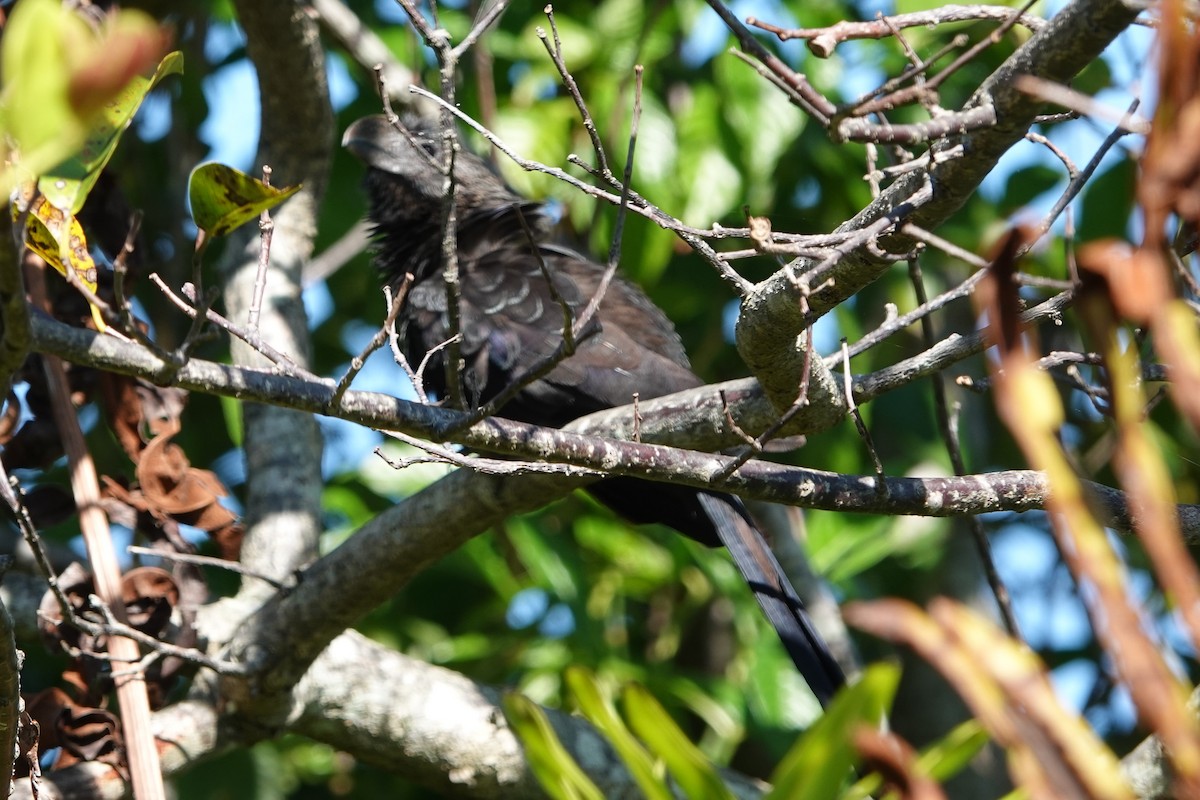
775, 594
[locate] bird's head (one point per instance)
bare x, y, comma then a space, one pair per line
405, 179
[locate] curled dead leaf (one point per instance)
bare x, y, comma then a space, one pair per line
83, 732
171, 484
150, 595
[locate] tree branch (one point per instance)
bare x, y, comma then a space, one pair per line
283, 448
775, 316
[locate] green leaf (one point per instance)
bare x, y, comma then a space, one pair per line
224, 198
1027, 184
693, 771
820, 762
641, 560
68, 185
1094, 78
553, 766
623, 23
946, 757
492, 566
1108, 202
600, 712
545, 565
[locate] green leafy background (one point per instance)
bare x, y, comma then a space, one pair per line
571, 584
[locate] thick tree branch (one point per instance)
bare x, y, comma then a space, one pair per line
429, 724
283, 448
1001, 491
441, 729
14, 316
774, 317
10, 697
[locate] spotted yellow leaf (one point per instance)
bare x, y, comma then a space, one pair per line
58, 238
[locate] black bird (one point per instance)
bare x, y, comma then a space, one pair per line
510, 319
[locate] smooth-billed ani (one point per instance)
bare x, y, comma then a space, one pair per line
510, 320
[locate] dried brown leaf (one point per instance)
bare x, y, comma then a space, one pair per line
896, 762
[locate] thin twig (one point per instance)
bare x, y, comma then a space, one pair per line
13, 496
1079, 102
485, 21
636, 202
437, 39
568, 80
394, 337
822, 41
860, 426
1080, 178
899, 323
117, 629
210, 561
582, 323
949, 432
252, 338
377, 341
799, 90
266, 230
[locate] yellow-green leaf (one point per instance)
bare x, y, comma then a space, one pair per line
68, 184
820, 762
224, 198
60, 74
600, 713
693, 771
58, 238
554, 767
37, 112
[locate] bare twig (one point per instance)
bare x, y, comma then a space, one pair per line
822, 41
377, 341
991, 39
10, 490
438, 40
393, 306
901, 322
266, 229
859, 425
568, 80
117, 628
1067, 97
950, 350
208, 561
799, 90
252, 338
1080, 178
949, 432
581, 324
636, 202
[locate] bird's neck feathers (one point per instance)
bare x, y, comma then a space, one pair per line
407, 231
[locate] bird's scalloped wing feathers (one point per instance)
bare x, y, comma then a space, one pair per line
510, 316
